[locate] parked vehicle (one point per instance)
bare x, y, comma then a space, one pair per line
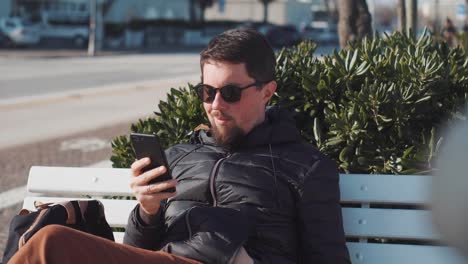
77, 33
278, 35
283, 36
4, 40
19, 32
321, 35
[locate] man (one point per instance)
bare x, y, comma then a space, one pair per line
250, 160
450, 32
248, 189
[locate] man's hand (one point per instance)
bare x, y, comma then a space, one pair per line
148, 194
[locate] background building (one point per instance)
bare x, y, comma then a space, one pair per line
123, 10
282, 12
292, 12
5, 8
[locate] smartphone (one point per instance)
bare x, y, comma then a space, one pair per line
148, 145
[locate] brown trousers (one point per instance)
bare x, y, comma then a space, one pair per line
59, 244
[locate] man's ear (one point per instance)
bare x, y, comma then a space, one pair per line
269, 90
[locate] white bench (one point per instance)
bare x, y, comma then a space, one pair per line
385, 235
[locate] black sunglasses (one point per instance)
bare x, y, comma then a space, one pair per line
230, 93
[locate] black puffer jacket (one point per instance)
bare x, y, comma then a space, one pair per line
285, 193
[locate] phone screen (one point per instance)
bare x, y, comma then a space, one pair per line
148, 145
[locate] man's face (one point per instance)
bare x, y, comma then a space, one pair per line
230, 121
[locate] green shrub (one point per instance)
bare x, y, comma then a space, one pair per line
178, 115
462, 39
376, 107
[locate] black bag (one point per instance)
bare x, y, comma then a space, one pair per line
87, 216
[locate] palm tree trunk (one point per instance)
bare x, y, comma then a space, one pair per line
346, 19
354, 21
412, 17
402, 15
364, 20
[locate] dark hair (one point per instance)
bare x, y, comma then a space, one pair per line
242, 45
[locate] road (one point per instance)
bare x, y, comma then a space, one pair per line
47, 98
65, 111
37, 77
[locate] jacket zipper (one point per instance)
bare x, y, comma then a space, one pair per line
213, 174
187, 222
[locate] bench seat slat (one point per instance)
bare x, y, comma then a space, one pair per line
385, 223
373, 253
78, 181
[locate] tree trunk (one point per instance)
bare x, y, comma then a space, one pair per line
364, 20
412, 17
466, 11
354, 21
435, 24
401, 15
346, 19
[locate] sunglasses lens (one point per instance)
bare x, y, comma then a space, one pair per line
231, 93
206, 93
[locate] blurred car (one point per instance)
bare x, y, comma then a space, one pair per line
4, 40
77, 35
321, 35
283, 36
278, 35
19, 32
75, 32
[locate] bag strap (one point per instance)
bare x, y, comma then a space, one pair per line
22, 239
75, 209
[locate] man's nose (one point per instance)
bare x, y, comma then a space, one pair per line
218, 102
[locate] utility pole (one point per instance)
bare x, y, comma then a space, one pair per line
412, 17
96, 29
92, 28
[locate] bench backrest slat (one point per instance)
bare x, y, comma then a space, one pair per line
384, 223
385, 189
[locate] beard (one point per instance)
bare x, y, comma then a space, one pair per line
227, 137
